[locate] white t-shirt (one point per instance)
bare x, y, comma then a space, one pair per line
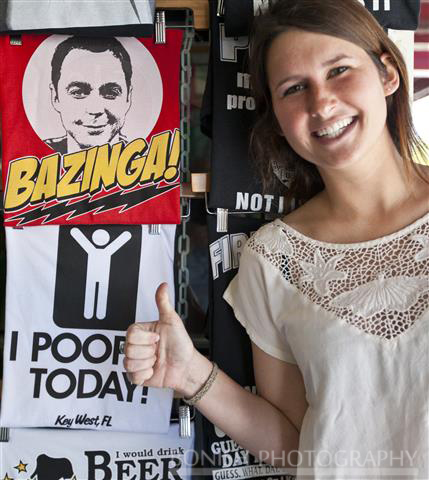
48, 453
43, 14
355, 319
71, 293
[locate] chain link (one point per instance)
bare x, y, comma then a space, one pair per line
183, 244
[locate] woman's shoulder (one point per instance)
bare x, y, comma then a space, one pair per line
269, 238
314, 222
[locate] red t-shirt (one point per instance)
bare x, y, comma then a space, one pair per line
90, 130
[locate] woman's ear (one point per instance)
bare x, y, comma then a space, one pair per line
390, 78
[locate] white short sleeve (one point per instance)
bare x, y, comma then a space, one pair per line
254, 296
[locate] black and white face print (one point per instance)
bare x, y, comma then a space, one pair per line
82, 92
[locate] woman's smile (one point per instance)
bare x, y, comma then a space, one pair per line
335, 132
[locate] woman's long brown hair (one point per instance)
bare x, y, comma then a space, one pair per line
345, 19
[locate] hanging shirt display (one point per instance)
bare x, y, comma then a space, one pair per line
239, 15
90, 130
71, 293
230, 349
402, 15
227, 116
230, 345
46, 14
395, 14
59, 454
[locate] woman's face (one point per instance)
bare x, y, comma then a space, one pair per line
329, 98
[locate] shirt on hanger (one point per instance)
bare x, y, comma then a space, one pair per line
71, 293
395, 14
60, 14
227, 116
90, 129
230, 348
65, 454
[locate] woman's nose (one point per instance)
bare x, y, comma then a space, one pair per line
322, 102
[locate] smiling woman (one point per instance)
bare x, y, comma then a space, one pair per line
332, 110
334, 296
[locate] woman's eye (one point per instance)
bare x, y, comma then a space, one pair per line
337, 71
293, 89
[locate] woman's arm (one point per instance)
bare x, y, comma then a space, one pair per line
161, 354
257, 423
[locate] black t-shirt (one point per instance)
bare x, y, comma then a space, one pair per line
227, 116
229, 343
395, 14
231, 350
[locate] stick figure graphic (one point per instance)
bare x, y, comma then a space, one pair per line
98, 269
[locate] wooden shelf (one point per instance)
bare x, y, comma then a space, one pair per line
199, 7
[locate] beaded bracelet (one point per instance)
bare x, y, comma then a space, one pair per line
205, 388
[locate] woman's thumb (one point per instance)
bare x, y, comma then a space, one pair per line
163, 301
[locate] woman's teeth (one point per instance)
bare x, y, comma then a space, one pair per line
334, 130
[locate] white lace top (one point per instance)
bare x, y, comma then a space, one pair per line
355, 319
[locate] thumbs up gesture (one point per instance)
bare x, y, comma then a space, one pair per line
159, 353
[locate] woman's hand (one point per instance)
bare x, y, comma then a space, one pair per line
159, 354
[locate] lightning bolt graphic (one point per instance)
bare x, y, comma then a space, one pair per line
109, 202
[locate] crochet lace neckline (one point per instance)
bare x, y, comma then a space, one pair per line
380, 286
368, 243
